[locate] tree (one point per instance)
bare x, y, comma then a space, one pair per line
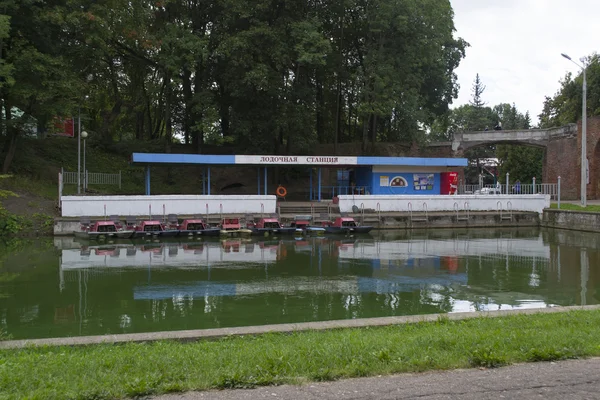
477, 117
36, 76
477, 90
265, 76
522, 162
565, 106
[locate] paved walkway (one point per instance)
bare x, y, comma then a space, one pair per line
574, 379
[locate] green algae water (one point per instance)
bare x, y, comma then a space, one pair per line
60, 287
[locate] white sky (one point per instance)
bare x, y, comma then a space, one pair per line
515, 47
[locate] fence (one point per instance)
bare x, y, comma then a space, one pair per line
91, 178
86, 178
527, 188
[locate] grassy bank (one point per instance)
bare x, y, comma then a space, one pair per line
576, 207
118, 371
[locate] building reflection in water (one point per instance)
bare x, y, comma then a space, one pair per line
115, 288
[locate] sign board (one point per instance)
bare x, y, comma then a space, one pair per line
384, 180
423, 181
64, 127
296, 160
398, 181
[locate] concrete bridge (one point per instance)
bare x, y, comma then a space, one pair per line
529, 137
562, 152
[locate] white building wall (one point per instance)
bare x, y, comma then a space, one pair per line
93, 206
402, 203
211, 254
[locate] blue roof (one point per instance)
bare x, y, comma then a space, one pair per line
164, 158
211, 159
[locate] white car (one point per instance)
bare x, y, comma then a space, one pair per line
488, 191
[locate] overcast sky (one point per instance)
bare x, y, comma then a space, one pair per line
515, 47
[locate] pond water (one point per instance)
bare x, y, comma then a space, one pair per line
59, 287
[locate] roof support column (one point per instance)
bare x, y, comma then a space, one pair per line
203, 180
147, 180
319, 183
265, 181
258, 176
208, 183
310, 195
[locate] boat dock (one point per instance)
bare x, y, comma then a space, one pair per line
414, 218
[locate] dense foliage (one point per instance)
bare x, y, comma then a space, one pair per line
274, 76
523, 163
565, 106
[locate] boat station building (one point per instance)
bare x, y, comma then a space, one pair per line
356, 175
383, 184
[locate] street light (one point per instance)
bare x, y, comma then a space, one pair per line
79, 149
583, 133
79, 146
84, 135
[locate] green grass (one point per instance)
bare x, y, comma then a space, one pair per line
38, 161
119, 371
576, 207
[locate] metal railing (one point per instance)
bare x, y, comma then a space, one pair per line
523, 188
332, 191
91, 178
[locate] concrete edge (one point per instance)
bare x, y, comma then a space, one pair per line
192, 335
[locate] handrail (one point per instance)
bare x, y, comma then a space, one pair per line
378, 212
150, 211
206, 213
499, 208
105, 212
312, 211
221, 211
425, 209
164, 214
465, 209
262, 210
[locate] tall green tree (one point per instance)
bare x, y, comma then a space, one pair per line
264, 76
520, 161
478, 117
566, 104
37, 81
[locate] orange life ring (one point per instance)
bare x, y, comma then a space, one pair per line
281, 192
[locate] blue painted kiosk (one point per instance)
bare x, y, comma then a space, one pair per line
355, 175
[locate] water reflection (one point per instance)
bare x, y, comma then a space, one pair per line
77, 288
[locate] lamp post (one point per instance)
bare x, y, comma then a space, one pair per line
79, 146
84, 135
79, 149
583, 133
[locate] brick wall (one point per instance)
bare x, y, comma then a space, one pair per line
559, 160
593, 153
563, 158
